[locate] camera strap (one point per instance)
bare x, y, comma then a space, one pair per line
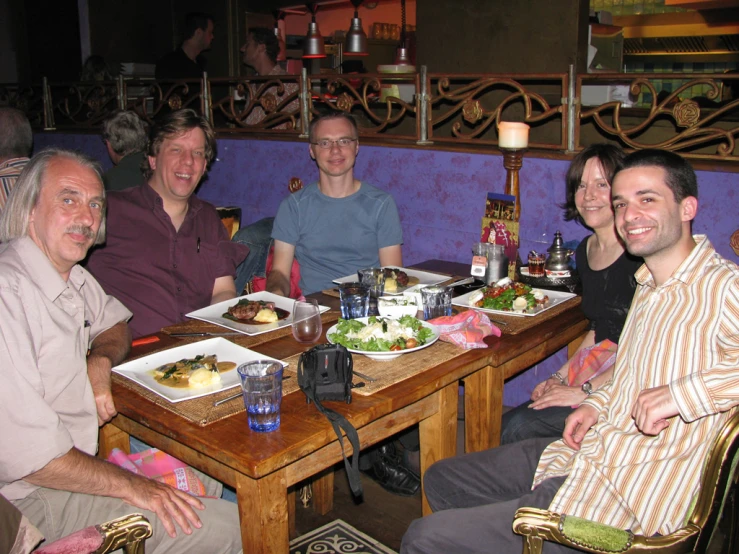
338, 422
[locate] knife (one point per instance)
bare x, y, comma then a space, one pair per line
231, 334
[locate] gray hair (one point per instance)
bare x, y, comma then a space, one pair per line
16, 138
25, 194
126, 133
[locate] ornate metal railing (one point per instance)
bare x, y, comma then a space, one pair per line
697, 117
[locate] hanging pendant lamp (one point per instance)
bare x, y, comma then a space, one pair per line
313, 47
356, 38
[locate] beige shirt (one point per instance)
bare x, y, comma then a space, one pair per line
685, 334
47, 326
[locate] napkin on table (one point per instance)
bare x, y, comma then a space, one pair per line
465, 329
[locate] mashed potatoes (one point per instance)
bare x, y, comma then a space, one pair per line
204, 377
266, 315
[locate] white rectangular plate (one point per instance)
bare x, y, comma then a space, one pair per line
424, 278
555, 298
139, 370
214, 313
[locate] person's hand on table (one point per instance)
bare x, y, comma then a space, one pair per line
577, 424
169, 504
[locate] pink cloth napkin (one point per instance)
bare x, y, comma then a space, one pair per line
158, 465
465, 329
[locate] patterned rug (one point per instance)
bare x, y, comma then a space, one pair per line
336, 537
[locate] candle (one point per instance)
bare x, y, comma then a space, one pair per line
513, 135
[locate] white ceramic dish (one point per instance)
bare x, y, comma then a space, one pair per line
424, 278
387, 356
390, 306
140, 370
214, 313
555, 298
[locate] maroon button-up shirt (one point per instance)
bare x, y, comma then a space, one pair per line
161, 274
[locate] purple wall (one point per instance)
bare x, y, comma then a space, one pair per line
440, 197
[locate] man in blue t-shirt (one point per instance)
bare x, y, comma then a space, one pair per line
338, 225
333, 228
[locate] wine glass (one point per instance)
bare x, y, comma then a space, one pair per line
306, 323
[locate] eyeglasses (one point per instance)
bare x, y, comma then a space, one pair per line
325, 144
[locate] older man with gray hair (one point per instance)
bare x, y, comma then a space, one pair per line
16, 141
125, 136
60, 335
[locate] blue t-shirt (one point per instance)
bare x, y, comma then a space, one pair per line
334, 237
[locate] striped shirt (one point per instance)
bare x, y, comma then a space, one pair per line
9, 171
684, 333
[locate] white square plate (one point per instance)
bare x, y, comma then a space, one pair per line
555, 298
214, 313
139, 370
424, 278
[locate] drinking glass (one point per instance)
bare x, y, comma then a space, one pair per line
354, 299
261, 385
437, 301
374, 278
307, 324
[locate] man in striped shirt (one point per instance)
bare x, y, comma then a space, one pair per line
632, 454
16, 141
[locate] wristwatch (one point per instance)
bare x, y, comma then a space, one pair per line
587, 388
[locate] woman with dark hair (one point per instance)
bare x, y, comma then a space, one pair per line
607, 274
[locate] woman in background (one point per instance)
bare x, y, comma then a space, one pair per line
607, 275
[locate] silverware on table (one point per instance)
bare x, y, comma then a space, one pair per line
365, 377
229, 334
465, 281
238, 395
497, 322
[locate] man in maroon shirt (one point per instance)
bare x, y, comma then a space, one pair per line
167, 252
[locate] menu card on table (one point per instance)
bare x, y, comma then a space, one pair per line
498, 226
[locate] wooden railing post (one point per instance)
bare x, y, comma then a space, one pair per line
304, 102
422, 107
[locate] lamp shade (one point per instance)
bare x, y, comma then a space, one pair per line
314, 47
356, 39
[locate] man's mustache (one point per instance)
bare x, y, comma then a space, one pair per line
81, 230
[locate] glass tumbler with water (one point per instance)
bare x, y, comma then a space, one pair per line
437, 301
354, 298
261, 384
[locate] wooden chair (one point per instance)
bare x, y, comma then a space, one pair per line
714, 504
127, 532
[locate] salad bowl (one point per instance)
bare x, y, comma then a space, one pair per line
334, 336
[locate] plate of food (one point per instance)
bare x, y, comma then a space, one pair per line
399, 279
252, 314
190, 371
383, 338
508, 297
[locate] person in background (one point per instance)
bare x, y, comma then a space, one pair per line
608, 284
16, 142
167, 252
260, 53
633, 453
124, 135
186, 61
95, 69
61, 335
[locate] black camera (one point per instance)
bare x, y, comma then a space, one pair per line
326, 371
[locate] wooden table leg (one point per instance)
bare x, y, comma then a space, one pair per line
438, 432
263, 513
483, 409
111, 437
323, 491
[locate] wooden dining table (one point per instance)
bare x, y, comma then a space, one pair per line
265, 468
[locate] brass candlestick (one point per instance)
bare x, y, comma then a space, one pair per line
512, 161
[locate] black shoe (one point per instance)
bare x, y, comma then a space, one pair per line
388, 470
